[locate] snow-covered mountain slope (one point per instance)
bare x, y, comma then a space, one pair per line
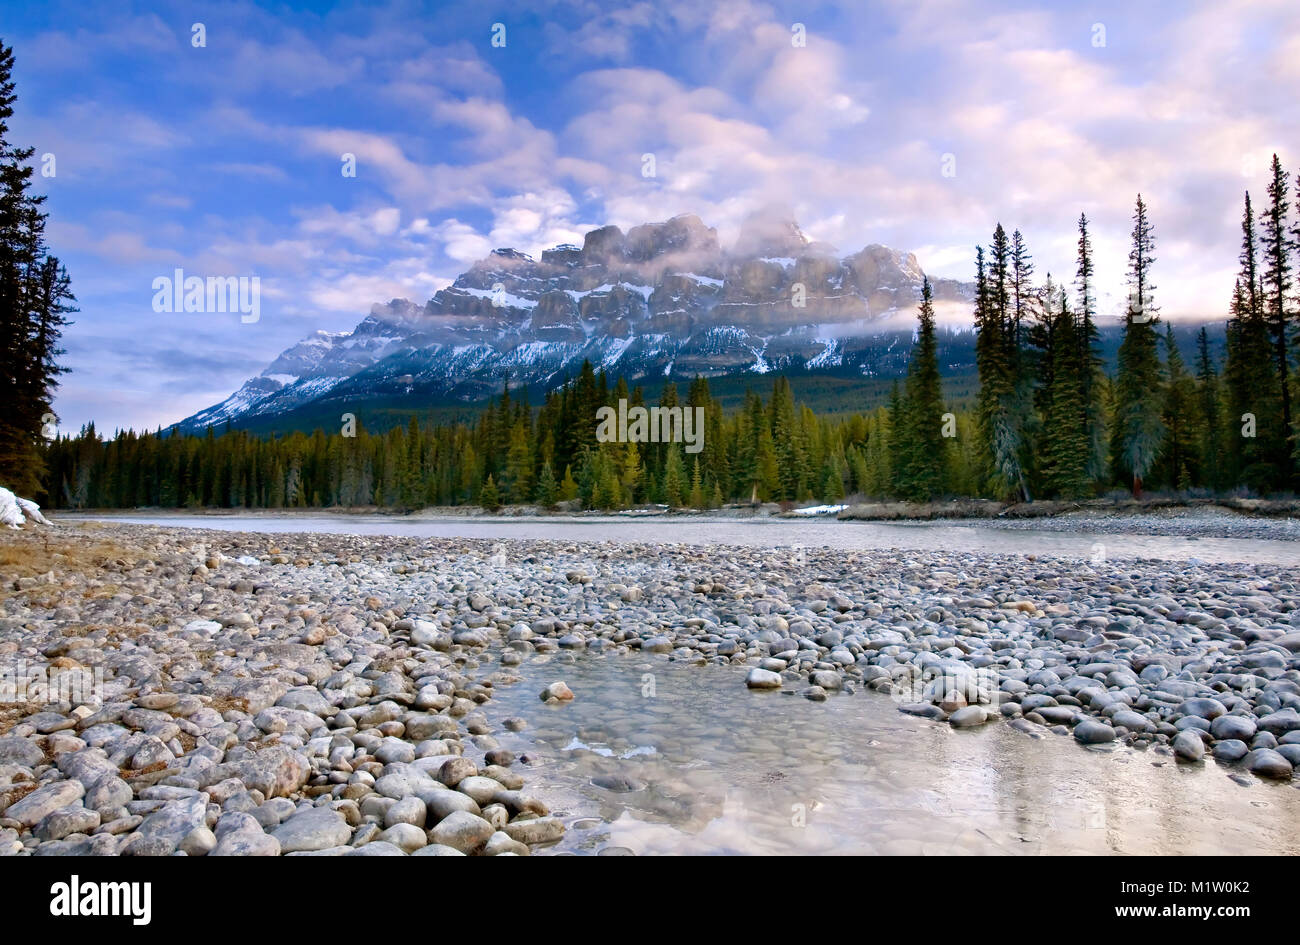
662, 299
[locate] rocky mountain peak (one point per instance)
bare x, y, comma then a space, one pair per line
603, 246
660, 300
772, 233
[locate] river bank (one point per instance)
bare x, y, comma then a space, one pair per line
329, 693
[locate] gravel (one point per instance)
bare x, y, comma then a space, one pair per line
265, 694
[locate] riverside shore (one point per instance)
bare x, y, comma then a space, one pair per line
313, 693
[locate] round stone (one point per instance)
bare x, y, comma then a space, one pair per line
1189, 746
1092, 732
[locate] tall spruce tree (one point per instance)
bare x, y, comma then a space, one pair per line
35, 297
921, 449
548, 490
1255, 434
1180, 414
788, 438
1211, 432
1065, 433
1004, 398
674, 485
1275, 241
488, 497
1294, 430
1138, 429
1091, 378
990, 366
1023, 297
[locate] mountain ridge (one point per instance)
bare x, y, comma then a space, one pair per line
659, 300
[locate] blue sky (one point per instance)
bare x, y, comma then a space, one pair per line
225, 159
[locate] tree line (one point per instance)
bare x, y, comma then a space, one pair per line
1049, 422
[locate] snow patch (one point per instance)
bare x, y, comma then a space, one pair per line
703, 280
645, 291
617, 348
510, 300
15, 511
820, 510
830, 355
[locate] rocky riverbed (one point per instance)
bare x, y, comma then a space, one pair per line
262, 694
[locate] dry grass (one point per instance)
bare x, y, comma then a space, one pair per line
128, 773
223, 704
14, 793
14, 712
33, 553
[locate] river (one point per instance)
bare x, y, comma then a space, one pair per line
656, 757
761, 532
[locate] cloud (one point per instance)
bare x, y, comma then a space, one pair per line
292, 65
461, 241
117, 247
238, 169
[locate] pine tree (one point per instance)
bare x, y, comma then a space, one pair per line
35, 297
988, 352
547, 491
898, 442
1211, 433
519, 463
568, 486
1139, 431
787, 437
922, 450
674, 477
1277, 247
488, 497
879, 477
1293, 431
1181, 459
632, 473
697, 487
1253, 390
1090, 362
1004, 397
1065, 432
608, 494
768, 485
411, 488
832, 489
1023, 297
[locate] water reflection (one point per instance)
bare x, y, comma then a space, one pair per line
734, 771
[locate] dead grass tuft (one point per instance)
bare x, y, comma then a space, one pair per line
33, 553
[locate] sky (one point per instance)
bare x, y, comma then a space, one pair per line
919, 124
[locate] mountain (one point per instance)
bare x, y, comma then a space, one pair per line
662, 300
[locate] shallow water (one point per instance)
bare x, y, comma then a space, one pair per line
824, 533
716, 768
